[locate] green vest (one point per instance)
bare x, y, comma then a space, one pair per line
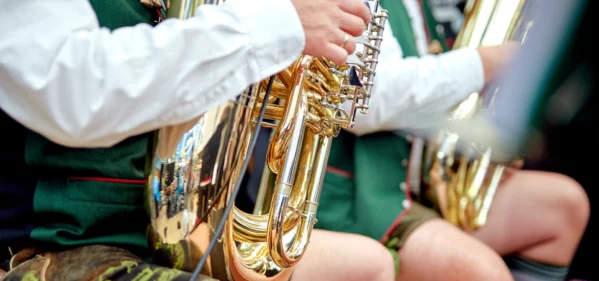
93, 196
361, 190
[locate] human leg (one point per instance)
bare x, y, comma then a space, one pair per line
536, 222
433, 249
333, 256
540, 217
537, 215
429, 249
342, 256
437, 250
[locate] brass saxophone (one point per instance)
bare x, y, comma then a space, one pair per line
189, 186
460, 177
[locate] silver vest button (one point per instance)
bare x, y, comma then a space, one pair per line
406, 203
403, 186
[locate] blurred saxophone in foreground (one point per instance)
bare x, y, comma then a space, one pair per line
190, 186
462, 185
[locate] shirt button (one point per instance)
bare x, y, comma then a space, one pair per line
404, 163
403, 186
406, 203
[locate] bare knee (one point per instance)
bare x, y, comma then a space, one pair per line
573, 205
483, 264
437, 250
342, 256
557, 210
379, 261
569, 217
488, 268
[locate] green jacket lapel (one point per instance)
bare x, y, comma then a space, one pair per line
401, 26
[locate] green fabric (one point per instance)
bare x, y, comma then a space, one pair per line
77, 212
354, 204
370, 200
119, 13
401, 26
394, 254
432, 24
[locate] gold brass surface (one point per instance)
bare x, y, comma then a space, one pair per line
195, 170
463, 184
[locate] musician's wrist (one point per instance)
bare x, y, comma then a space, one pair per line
495, 58
488, 63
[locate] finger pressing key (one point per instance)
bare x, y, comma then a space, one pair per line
357, 8
335, 53
351, 24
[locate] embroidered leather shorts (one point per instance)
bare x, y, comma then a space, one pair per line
416, 216
95, 262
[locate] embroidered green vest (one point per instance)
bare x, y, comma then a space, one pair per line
92, 196
361, 191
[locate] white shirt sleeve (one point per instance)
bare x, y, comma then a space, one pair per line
406, 89
77, 84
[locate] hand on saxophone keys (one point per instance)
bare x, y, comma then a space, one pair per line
331, 25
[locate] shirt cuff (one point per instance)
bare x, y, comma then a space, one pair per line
276, 33
467, 74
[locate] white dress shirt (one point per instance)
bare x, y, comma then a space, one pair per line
81, 85
408, 89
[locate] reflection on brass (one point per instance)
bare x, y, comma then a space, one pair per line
463, 186
192, 178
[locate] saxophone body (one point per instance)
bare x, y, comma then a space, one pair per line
194, 171
459, 176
